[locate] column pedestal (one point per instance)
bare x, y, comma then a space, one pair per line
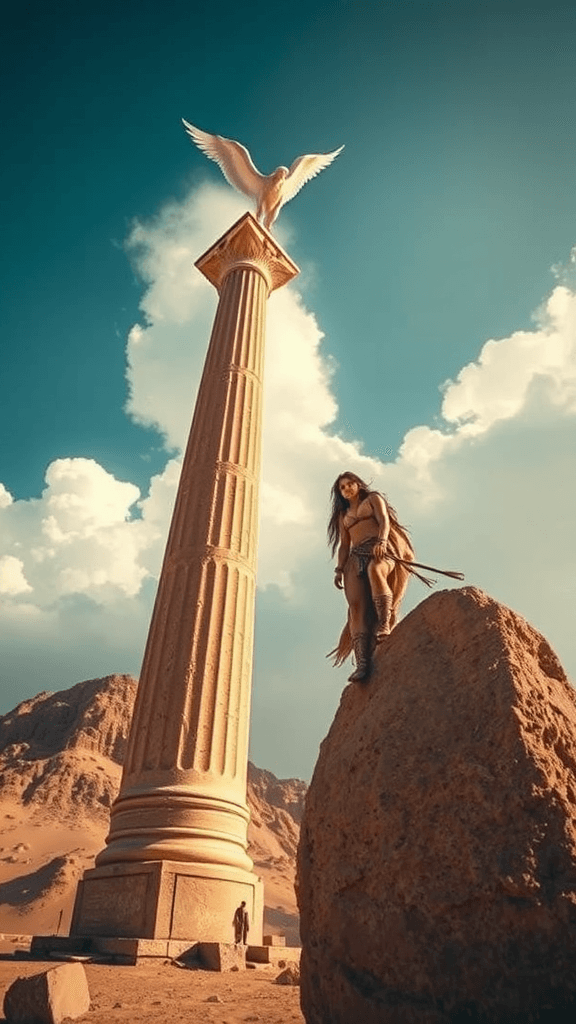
166, 900
176, 864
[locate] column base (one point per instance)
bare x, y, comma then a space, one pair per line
210, 956
167, 900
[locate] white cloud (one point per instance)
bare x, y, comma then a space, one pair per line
78, 537
82, 498
493, 493
489, 490
166, 352
12, 579
496, 386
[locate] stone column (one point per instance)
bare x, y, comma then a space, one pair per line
175, 864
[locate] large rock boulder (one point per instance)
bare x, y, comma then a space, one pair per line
437, 860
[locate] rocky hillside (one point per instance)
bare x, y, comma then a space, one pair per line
60, 767
61, 753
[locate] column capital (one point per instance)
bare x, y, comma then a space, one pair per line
247, 244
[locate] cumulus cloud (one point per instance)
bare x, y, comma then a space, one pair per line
5, 497
77, 538
12, 578
493, 492
496, 386
489, 489
165, 352
526, 381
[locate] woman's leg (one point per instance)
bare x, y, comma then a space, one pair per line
357, 592
382, 596
378, 573
398, 581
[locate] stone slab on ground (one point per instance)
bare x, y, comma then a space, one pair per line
117, 949
49, 997
222, 956
274, 940
272, 954
46, 945
213, 956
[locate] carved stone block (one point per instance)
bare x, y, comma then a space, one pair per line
222, 956
49, 997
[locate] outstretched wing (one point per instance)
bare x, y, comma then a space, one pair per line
304, 168
233, 159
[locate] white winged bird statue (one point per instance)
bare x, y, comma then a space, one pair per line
269, 191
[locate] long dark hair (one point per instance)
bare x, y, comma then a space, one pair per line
340, 505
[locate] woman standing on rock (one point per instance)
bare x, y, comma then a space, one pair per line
375, 561
365, 529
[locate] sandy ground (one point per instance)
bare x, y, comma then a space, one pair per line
40, 863
157, 993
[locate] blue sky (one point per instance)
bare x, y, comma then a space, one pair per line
434, 232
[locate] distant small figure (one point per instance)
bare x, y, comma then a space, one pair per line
241, 924
375, 562
269, 191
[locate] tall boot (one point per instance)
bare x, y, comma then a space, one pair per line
361, 644
383, 606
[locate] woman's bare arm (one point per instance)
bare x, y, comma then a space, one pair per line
343, 552
382, 518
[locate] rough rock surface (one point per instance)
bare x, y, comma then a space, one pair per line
49, 997
437, 860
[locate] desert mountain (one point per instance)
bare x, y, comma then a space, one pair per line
61, 760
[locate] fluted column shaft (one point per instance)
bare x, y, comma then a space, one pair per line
210, 564
183, 792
